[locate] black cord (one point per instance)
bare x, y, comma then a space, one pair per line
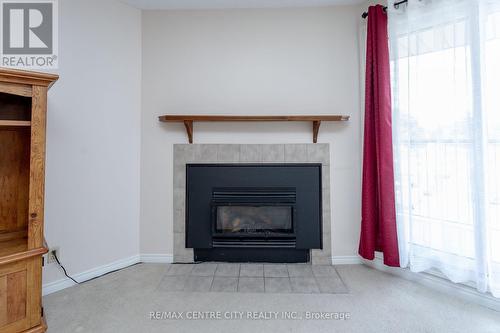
69, 277
116, 270
62, 267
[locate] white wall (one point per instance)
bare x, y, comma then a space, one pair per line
261, 61
93, 138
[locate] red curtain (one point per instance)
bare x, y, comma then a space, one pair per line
378, 224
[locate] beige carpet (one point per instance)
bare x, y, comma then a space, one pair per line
376, 302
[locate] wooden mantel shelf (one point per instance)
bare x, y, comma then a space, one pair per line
189, 119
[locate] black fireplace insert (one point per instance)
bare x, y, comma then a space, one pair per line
253, 212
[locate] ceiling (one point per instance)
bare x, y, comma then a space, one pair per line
208, 4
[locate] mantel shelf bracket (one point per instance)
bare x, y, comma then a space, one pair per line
316, 125
189, 129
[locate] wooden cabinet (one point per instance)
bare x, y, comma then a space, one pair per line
23, 112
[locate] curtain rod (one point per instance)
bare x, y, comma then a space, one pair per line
396, 5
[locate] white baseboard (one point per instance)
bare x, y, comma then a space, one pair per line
346, 260
154, 258
61, 284
437, 283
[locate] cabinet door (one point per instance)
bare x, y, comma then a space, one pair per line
14, 297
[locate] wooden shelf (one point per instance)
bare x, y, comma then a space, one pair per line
13, 246
15, 123
17, 249
189, 119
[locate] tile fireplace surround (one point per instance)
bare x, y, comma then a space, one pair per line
248, 153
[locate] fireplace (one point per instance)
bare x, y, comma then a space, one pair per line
253, 217
253, 212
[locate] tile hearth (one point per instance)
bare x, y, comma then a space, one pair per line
244, 278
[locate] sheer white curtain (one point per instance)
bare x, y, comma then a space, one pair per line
445, 62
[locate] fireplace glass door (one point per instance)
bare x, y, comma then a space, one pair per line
251, 220
253, 212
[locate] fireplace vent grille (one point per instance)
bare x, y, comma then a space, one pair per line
227, 195
254, 243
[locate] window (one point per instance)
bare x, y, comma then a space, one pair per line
445, 63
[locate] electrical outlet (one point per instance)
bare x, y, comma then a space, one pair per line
51, 255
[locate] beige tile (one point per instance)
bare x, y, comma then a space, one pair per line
321, 260
295, 153
299, 270
172, 283
225, 284
326, 199
252, 270
179, 220
185, 257
205, 153
228, 153
228, 270
325, 177
277, 285
327, 244
324, 271
273, 153
198, 283
304, 285
204, 269
183, 153
327, 222
318, 153
179, 198
275, 270
251, 284
179, 269
251, 153
180, 176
